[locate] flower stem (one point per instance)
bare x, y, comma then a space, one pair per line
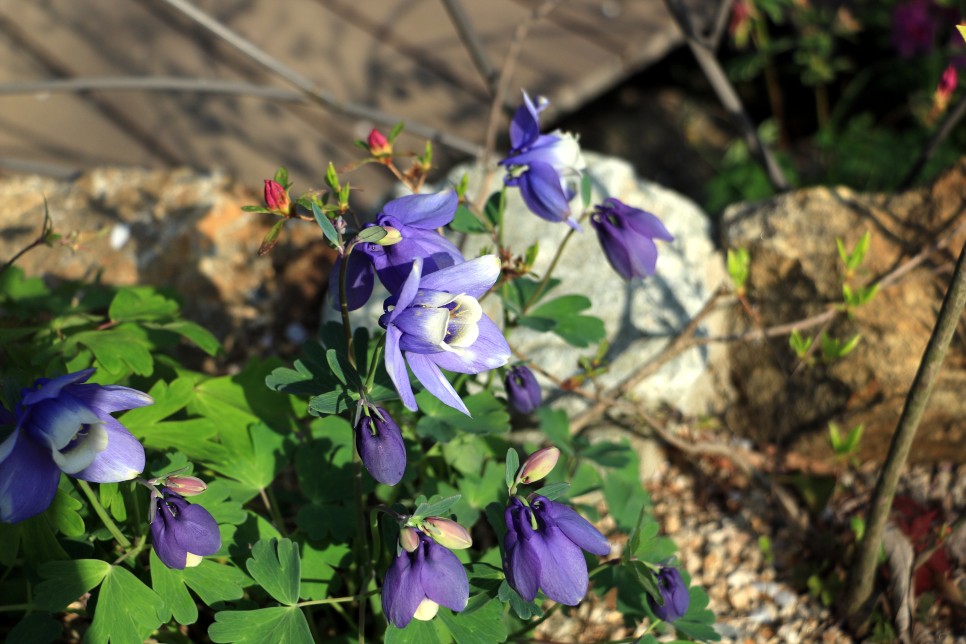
103, 515
344, 304
135, 551
546, 278
334, 600
374, 364
364, 557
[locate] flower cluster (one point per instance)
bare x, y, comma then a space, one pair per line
182, 532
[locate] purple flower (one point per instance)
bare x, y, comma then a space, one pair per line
182, 532
542, 550
380, 446
438, 322
674, 594
522, 391
627, 236
418, 582
415, 219
64, 426
913, 28
544, 166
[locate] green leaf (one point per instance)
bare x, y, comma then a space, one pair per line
524, 609
417, 632
281, 176
556, 426
36, 628
127, 610
141, 303
554, 490
561, 315
275, 566
63, 514
739, 262
495, 206
319, 573
200, 336
396, 131
213, 582
436, 508
586, 190
481, 624
323, 221
466, 222
271, 238
512, 467
279, 625
118, 350
65, 581
443, 423
697, 623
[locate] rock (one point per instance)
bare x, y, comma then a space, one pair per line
178, 229
796, 273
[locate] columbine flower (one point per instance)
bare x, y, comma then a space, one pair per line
411, 222
627, 236
522, 391
544, 166
542, 550
421, 580
438, 322
182, 532
65, 426
380, 446
674, 593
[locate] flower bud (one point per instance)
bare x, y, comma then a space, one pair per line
393, 236
674, 593
409, 539
945, 88
276, 197
447, 533
522, 391
380, 446
379, 145
539, 464
186, 485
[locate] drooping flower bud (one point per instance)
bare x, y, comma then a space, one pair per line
539, 464
276, 197
409, 539
522, 390
447, 533
379, 145
627, 236
186, 485
380, 445
674, 592
182, 532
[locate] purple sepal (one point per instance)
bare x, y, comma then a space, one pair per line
522, 390
627, 237
429, 572
180, 528
675, 594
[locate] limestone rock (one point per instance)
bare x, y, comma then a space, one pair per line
796, 273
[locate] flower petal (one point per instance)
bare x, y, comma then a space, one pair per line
444, 578
121, 460
110, 398
424, 211
169, 552
359, 279
408, 291
563, 577
578, 529
83, 449
543, 192
51, 388
196, 531
526, 561
525, 126
490, 351
394, 263
424, 329
396, 368
28, 481
57, 420
433, 379
473, 278
402, 591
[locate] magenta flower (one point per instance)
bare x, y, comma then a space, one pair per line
436, 322
627, 236
182, 532
65, 426
419, 582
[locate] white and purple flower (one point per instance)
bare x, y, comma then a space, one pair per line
542, 549
182, 532
546, 167
411, 222
63, 425
436, 322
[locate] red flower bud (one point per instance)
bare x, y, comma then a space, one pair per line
379, 145
276, 197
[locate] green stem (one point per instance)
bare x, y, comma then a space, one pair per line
499, 226
365, 558
11, 608
334, 600
103, 515
139, 546
374, 364
533, 625
271, 504
344, 304
546, 278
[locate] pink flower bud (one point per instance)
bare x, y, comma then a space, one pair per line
948, 82
379, 145
186, 485
409, 539
539, 464
276, 197
447, 533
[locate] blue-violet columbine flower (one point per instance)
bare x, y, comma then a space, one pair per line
546, 167
380, 445
437, 322
627, 236
63, 425
412, 219
674, 593
419, 582
522, 391
182, 532
542, 549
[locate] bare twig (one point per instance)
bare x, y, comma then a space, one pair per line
46, 228
153, 84
862, 574
721, 19
319, 95
472, 43
952, 119
726, 94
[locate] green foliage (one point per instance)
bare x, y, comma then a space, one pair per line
739, 267
800, 344
845, 445
562, 316
283, 624
833, 349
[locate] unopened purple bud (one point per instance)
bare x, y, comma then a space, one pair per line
522, 390
186, 485
409, 539
447, 533
276, 197
380, 446
627, 236
674, 592
539, 464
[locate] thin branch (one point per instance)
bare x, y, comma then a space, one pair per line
720, 24
317, 94
471, 41
153, 84
726, 94
951, 121
862, 574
